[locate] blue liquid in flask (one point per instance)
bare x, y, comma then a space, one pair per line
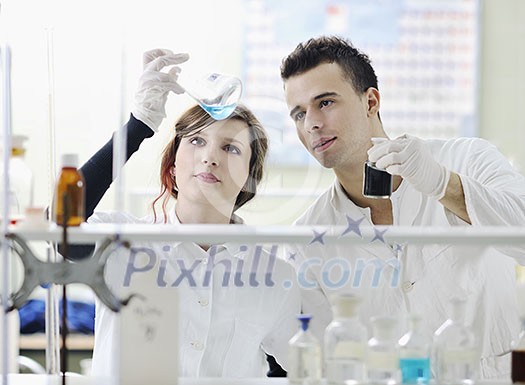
415, 370
219, 112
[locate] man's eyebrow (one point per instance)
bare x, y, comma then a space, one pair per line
325, 94
317, 97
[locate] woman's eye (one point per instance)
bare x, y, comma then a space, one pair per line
231, 148
196, 140
325, 103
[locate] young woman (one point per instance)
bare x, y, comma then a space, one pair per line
240, 301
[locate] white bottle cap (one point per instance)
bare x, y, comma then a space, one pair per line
378, 140
69, 160
345, 305
17, 141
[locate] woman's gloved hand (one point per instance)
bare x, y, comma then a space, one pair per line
410, 158
154, 86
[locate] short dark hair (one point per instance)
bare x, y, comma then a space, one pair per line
331, 49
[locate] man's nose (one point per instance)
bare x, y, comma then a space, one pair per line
313, 120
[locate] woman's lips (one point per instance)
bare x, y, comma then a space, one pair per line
207, 177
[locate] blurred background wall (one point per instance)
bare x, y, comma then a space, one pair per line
95, 50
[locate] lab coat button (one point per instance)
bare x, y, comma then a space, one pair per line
407, 286
197, 345
204, 302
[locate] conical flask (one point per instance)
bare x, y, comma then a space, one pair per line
217, 94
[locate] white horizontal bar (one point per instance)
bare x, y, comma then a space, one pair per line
88, 233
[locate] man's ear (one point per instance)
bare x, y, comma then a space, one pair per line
373, 99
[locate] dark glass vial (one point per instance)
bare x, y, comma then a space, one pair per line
518, 367
377, 183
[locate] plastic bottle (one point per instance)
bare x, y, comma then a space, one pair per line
345, 342
414, 354
382, 356
304, 356
70, 189
455, 349
20, 181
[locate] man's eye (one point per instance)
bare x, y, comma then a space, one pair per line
299, 116
325, 103
233, 149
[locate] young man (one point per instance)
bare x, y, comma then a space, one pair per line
332, 94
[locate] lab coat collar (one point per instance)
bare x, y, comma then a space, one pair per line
232, 248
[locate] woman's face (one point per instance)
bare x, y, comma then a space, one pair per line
212, 166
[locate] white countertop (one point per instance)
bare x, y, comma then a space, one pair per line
38, 379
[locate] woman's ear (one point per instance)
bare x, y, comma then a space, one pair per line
172, 172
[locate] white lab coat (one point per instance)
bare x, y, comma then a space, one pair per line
424, 278
224, 330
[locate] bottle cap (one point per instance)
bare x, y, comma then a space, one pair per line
17, 141
383, 326
305, 320
69, 160
345, 305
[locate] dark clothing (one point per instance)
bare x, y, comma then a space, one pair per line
98, 175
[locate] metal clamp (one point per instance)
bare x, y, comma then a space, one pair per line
89, 271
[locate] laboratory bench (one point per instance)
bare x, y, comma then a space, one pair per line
33, 379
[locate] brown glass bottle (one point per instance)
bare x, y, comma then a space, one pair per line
69, 193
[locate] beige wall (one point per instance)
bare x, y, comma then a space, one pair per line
502, 90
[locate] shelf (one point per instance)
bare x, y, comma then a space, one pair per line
89, 233
74, 341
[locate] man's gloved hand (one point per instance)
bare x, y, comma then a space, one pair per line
410, 158
155, 85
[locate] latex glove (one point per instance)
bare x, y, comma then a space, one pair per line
410, 158
154, 86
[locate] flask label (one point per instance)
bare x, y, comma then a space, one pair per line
382, 360
349, 349
460, 356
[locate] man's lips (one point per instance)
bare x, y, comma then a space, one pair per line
323, 143
207, 177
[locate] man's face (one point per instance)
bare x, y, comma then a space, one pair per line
331, 119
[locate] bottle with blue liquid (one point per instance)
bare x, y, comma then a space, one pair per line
414, 354
304, 356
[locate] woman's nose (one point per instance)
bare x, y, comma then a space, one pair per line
210, 158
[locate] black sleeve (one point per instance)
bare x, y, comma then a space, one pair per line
98, 174
274, 369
